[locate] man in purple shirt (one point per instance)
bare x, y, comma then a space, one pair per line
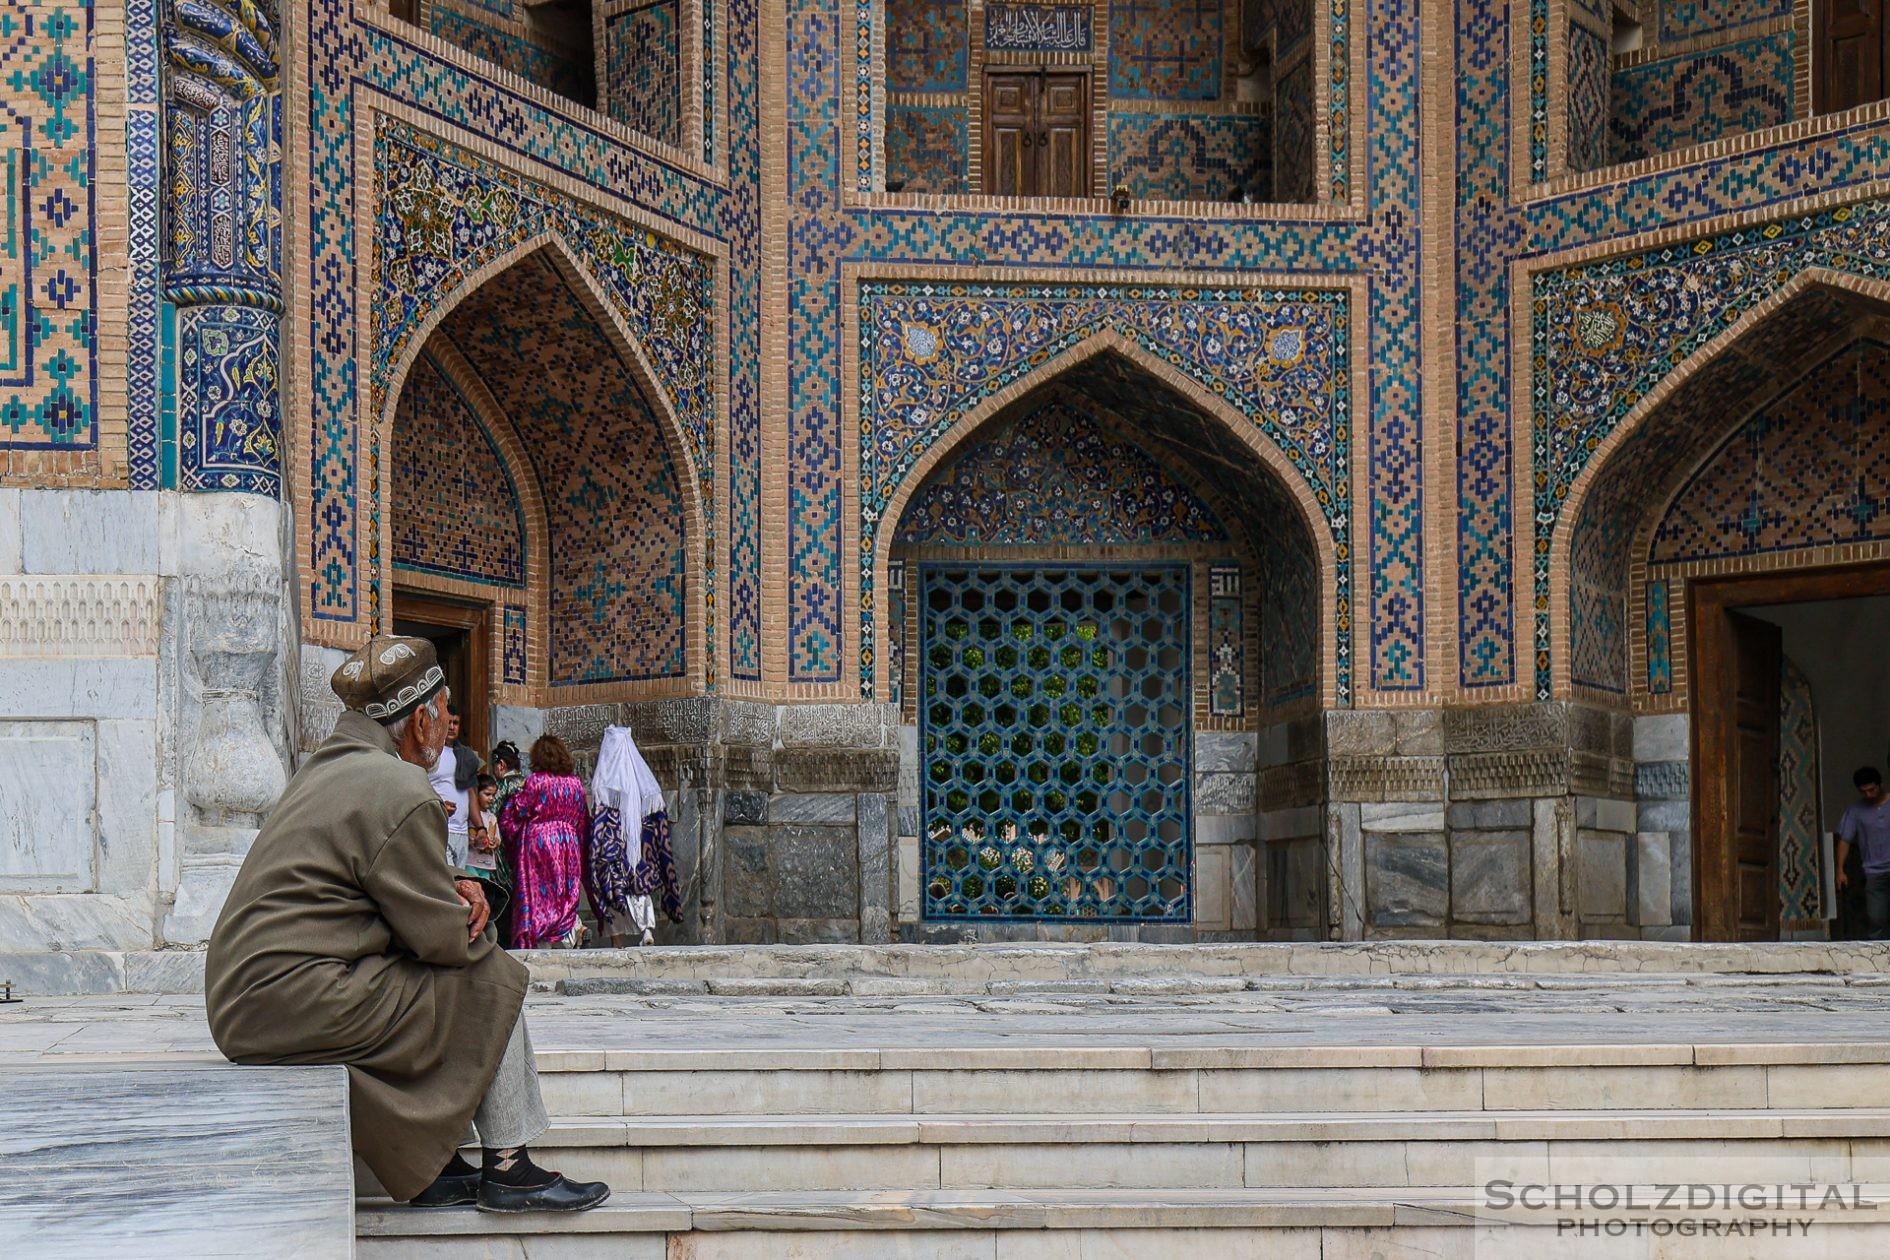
1866, 823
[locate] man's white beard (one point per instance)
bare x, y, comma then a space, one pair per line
432, 756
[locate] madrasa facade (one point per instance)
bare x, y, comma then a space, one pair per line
1137, 470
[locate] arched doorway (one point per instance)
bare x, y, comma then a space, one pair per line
1098, 598
1724, 582
537, 510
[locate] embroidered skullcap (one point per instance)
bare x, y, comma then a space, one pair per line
389, 678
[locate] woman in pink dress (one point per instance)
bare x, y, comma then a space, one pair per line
546, 825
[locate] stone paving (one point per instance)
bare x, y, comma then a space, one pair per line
1331, 1012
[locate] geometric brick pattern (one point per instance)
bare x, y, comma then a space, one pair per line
613, 504
927, 147
1810, 469
1206, 157
1227, 653
642, 85
507, 41
143, 160
1292, 623
1588, 88
1055, 475
1659, 641
456, 511
1598, 632
512, 659
1690, 19
1677, 102
1800, 890
926, 48
48, 348
1295, 171
1165, 50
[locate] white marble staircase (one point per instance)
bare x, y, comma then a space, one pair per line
1075, 1151
179, 1161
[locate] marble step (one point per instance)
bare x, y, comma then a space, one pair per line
1102, 967
879, 970
833, 1153
190, 1162
1076, 1224
1092, 1080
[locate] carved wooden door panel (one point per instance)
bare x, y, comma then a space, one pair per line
1063, 136
1010, 126
1036, 133
1847, 63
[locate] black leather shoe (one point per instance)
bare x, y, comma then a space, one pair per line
558, 1195
448, 1191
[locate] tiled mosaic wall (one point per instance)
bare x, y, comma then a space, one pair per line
1284, 29
1163, 75
456, 509
1055, 476
1699, 73
1061, 477
1810, 469
1668, 103
1800, 830
1804, 475
641, 57
530, 41
49, 401
614, 508
1604, 333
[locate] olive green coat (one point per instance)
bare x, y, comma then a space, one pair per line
343, 941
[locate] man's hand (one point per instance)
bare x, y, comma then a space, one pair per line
473, 897
450, 807
1843, 878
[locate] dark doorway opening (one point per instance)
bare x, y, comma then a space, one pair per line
1823, 627
461, 632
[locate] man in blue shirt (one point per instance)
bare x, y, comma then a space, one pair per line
1866, 823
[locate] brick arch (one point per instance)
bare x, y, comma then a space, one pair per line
1750, 363
503, 433
602, 308
1329, 547
682, 450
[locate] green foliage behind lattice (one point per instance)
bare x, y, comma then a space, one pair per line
1054, 724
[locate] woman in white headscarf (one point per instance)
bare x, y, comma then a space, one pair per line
631, 862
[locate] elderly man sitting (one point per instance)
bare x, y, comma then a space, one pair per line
347, 939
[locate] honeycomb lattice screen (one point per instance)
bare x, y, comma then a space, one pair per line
1054, 720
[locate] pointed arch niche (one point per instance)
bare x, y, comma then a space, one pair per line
535, 468
1725, 575
1097, 596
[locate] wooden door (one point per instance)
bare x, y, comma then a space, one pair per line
1847, 63
1754, 770
1063, 135
1737, 719
1036, 133
462, 635
1010, 128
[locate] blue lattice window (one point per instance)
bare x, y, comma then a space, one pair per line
1054, 729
